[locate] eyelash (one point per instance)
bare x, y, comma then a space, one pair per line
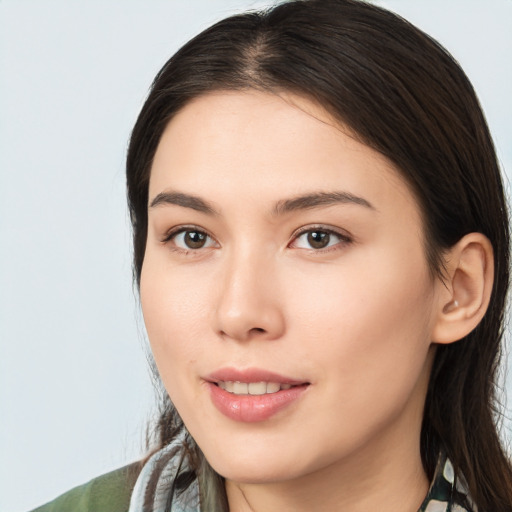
343, 239
171, 235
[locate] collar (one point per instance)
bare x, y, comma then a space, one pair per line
154, 489
448, 492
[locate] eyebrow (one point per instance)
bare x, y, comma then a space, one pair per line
319, 199
184, 200
304, 202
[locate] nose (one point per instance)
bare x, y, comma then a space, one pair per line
248, 304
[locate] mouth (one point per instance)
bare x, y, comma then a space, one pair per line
253, 395
252, 388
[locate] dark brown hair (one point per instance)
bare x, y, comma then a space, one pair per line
406, 97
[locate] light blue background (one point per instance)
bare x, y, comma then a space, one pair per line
74, 389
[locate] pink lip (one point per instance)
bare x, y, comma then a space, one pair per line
250, 375
252, 408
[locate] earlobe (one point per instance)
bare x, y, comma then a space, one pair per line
466, 291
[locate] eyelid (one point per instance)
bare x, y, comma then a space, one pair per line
176, 230
345, 238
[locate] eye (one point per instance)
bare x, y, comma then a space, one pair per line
190, 239
319, 238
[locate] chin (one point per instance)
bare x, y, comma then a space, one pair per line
245, 472
264, 464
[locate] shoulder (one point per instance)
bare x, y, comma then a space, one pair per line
108, 493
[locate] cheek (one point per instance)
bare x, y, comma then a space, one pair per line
369, 328
175, 311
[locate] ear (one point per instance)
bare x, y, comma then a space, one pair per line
465, 293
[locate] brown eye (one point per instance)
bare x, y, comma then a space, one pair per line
191, 239
194, 239
318, 239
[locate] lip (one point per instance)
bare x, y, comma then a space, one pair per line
250, 375
252, 408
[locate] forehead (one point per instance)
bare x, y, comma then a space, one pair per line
224, 145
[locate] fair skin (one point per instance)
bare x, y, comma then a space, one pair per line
332, 291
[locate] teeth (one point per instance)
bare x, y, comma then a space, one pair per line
273, 387
240, 388
252, 388
257, 388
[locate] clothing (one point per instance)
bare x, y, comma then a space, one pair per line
447, 493
107, 493
118, 491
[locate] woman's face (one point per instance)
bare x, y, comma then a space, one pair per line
285, 289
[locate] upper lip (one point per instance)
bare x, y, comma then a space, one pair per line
250, 375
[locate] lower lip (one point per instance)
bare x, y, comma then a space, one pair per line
253, 408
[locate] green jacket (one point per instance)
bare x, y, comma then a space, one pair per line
107, 493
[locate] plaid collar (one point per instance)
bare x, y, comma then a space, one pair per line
448, 492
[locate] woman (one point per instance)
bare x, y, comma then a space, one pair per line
321, 246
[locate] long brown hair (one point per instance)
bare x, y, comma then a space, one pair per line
406, 97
